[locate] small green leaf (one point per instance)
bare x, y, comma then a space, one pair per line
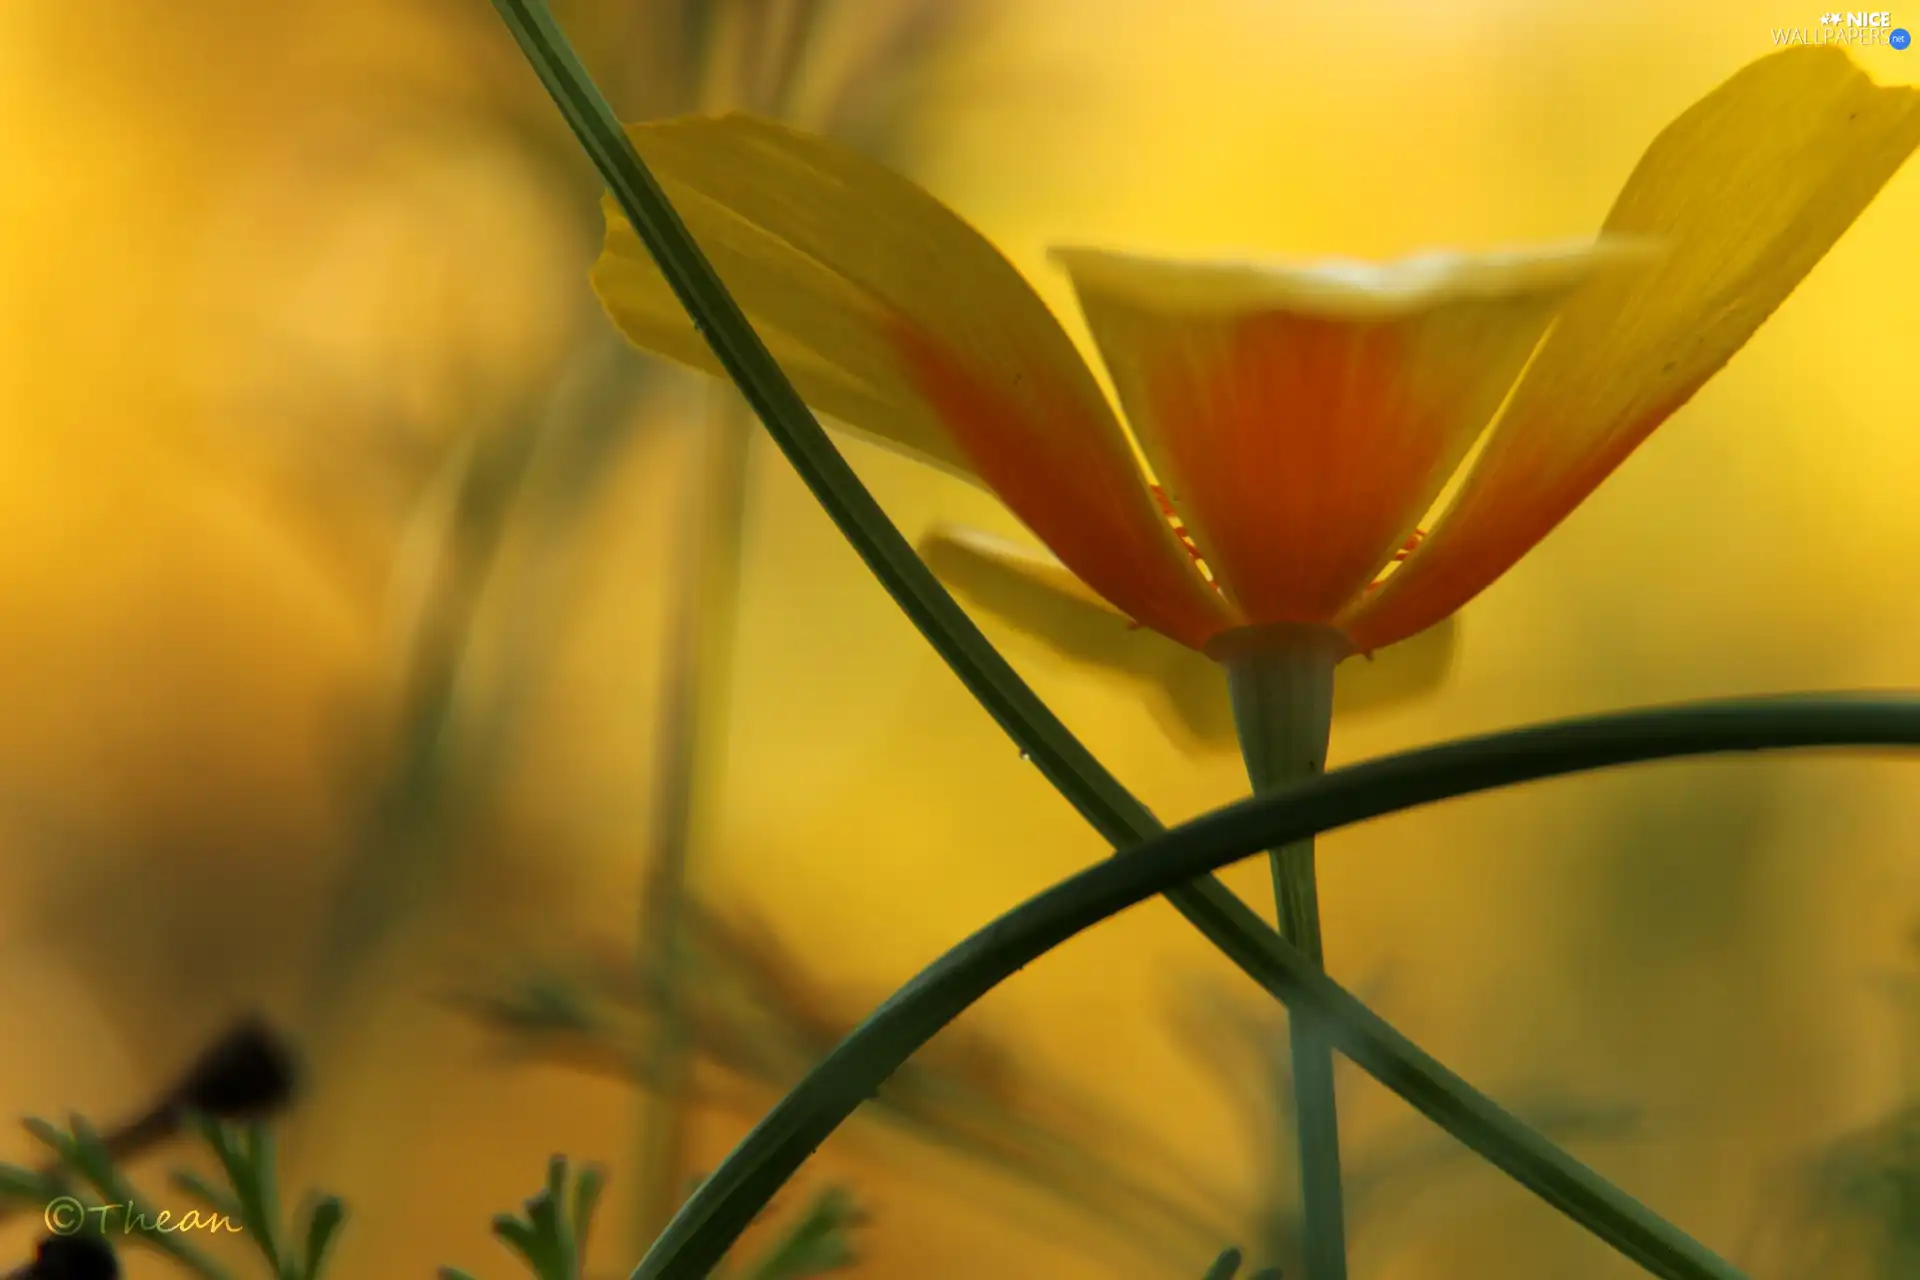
324, 1221
215, 1198
17, 1183
543, 1213
586, 1196
817, 1243
246, 1155
1225, 1267
59, 1143
524, 1239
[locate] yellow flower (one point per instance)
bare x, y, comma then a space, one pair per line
1300, 420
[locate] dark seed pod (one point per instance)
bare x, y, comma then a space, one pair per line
247, 1074
81, 1257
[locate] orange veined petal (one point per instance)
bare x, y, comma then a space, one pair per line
894, 316
1747, 190
1088, 508
1303, 418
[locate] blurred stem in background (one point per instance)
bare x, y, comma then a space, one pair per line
756, 1018
1850, 1210
740, 38
691, 746
848, 68
1245, 1046
453, 733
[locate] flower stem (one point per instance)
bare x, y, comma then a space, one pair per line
1281, 681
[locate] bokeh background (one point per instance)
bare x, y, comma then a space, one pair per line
282, 288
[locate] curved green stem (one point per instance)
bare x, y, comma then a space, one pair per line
723, 1206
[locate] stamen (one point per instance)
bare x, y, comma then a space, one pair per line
1180, 532
1407, 548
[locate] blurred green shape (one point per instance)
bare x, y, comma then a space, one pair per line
1852, 1208
818, 1243
1243, 1043
550, 1233
855, 70
758, 1020
1225, 1267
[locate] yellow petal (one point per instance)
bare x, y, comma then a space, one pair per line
1021, 582
1747, 190
1398, 674
1038, 596
1303, 418
893, 315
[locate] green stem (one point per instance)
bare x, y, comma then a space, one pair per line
1281, 681
716, 1214
690, 742
390, 874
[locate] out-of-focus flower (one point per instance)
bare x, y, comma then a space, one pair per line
1300, 420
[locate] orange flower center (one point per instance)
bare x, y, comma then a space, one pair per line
1179, 527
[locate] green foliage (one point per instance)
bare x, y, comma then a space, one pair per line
818, 1242
1227, 1267
1852, 1208
550, 1235
84, 1189
246, 1155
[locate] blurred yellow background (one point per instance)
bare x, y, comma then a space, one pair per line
252, 295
